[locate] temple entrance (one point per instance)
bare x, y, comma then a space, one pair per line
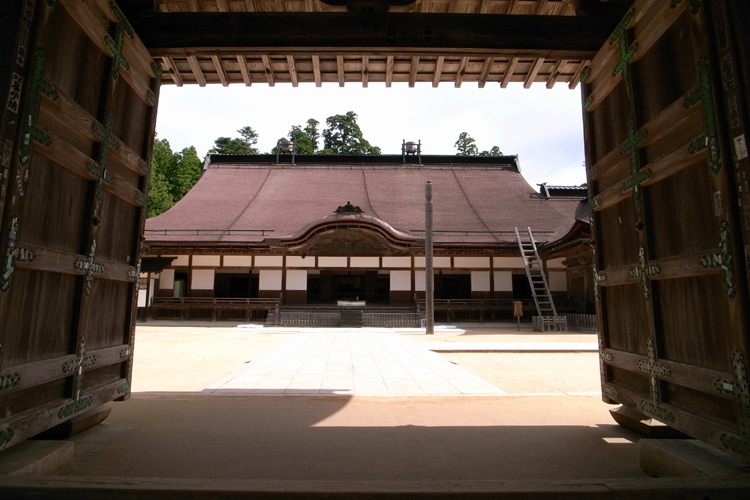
328, 287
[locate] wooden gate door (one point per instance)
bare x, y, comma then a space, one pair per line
79, 108
665, 125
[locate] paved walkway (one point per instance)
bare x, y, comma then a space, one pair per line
362, 362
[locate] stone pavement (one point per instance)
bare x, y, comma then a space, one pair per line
362, 362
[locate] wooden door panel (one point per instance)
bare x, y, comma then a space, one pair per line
73, 214
667, 220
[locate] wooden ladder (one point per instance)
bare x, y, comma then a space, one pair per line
545, 306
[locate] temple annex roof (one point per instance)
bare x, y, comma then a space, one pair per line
255, 200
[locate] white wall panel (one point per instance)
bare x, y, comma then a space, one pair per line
269, 261
296, 279
507, 262
503, 281
238, 260
298, 261
469, 262
332, 262
555, 264
270, 279
369, 262
202, 279
419, 281
391, 262
166, 279
207, 260
400, 281
180, 260
480, 281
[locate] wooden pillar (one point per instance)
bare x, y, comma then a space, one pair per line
429, 278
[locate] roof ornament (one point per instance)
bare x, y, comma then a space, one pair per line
348, 209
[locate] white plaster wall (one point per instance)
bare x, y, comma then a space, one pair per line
166, 279
368, 262
471, 262
180, 260
555, 264
480, 281
503, 281
507, 262
269, 279
391, 262
207, 260
202, 279
298, 261
420, 284
332, 262
296, 279
238, 260
557, 281
400, 281
269, 261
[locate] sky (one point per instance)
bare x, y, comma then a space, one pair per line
542, 126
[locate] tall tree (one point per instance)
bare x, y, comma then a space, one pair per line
466, 145
343, 136
187, 169
159, 196
244, 145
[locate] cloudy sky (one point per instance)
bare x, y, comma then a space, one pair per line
542, 126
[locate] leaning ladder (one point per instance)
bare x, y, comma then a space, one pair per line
535, 273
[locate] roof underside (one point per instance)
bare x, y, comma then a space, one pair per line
409, 50
257, 204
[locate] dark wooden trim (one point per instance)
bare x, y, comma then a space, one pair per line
181, 34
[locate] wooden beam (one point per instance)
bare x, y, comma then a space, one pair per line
509, 72
292, 70
268, 69
533, 72
365, 70
316, 70
172, 71
389, 71
413, 71
242, 63
460, 73
220, 71
552, 37
340, 70
485, 71
438, 71
197, 71
555, 73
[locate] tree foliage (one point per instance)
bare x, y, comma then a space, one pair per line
467, 146
244, 145
343, 136
171, 176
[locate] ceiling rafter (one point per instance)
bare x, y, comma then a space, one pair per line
509, 72
533, 72
460, 73
246, 78
197, 71
488, 62
292, 70
413, 71
220, 71
438, 70
316, 70
268, 69
340, 69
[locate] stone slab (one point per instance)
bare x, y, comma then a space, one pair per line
36, 457
687, 458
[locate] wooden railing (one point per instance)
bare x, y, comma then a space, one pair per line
210, 308
387, 319
582, 322
480, 310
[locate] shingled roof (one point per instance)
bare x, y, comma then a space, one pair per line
251, 200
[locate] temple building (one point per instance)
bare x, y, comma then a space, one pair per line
323, 229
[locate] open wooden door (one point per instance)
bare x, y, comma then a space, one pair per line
78, 113
665, 119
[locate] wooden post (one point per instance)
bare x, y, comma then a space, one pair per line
429, 279
518, 312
